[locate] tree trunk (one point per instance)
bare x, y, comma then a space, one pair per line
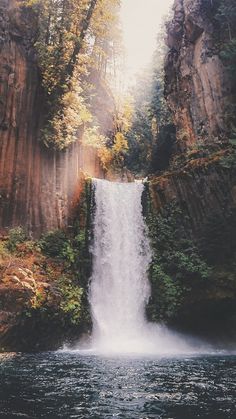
85, 24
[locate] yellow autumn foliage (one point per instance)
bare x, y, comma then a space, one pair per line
120, 144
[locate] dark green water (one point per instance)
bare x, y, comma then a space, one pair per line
69, 385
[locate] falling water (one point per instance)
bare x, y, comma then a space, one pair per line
119, 288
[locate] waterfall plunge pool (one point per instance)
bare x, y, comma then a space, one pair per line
69, 385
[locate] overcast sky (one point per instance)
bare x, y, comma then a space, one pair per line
140, 21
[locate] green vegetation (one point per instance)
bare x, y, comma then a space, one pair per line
177, 267
225, 15
63, 308
151, 135
16, 235
72, 246
71, 306
55, 270
229, 161
71, 249
54, 244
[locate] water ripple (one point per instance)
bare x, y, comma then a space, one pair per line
68, 385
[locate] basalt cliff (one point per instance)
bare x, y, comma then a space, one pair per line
38, 186
201, 178
198, 88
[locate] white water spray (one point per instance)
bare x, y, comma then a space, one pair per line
119, 288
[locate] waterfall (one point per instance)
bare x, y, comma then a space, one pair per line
119, 289
121, 256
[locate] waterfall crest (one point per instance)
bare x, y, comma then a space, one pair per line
120, 289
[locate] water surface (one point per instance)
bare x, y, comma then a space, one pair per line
70, 385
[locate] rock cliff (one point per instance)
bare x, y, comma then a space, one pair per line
37, 186
200, 182
198, 90
202, 187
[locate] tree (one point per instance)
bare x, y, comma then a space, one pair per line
68, 35
151, 114
226, 15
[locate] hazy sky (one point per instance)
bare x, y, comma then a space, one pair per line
140, 21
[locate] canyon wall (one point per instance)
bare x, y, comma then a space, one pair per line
199, 184
37, 185
203, 189
198, 90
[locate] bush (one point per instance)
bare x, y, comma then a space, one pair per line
166, 295
71, 303
16, 236
55, 244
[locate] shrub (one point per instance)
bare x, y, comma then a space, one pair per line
71, 303
17, 235
166, 295
55, 244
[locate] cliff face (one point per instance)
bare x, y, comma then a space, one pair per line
196, 287
193, 277
203, 189
37, 186
198, 92
197, 86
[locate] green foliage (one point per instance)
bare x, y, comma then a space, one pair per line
81, 235
72, 247
17, 235
71, 300
177, 265
142, 130
233, 142
68, 310
159, 107
229, 161
151, 116
166, 295
72, 114
226, 41
228, 55
226, 15
55, 244
37, 302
